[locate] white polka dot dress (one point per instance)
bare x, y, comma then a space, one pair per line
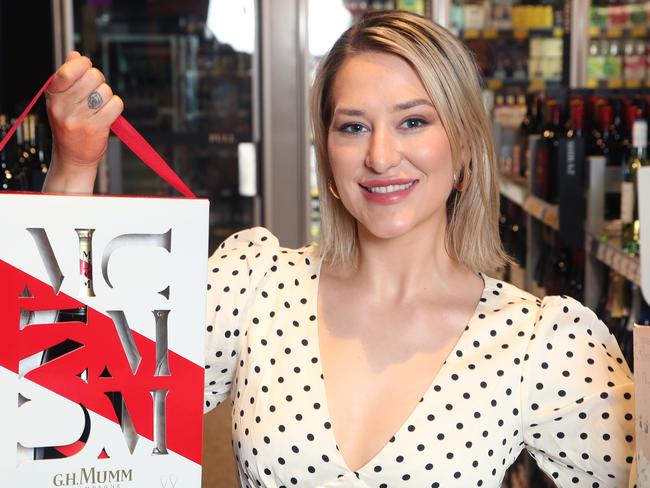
544, 375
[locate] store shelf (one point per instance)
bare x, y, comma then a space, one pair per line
509, 33
513, 190
516, 191
532, 84
544, 211
618, 33
611, 254
615, 83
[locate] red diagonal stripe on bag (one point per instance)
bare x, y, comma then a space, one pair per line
100, 349
129, 136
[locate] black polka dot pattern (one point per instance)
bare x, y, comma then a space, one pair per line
578, 400
544, 375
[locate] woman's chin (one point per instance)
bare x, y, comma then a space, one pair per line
388, 230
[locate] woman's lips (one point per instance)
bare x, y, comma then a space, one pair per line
387, 192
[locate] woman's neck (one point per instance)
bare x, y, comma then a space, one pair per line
400, 269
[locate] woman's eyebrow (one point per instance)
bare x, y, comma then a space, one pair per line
349, 111
411, 104
353, 112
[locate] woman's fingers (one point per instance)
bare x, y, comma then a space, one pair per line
98, 98
81, 108
110, 111
69, 73
78, 93
72, 55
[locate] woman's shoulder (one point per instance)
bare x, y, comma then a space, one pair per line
547, 308
259, 245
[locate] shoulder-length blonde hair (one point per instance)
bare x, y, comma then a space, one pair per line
449, 74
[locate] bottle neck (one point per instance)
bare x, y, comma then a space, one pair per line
640, 151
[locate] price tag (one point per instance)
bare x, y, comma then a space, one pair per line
615, 33
471, 34
614, 83
533, 206
592, 83
558, 32
520, 34
639, 31
537, 84
490, 34
594, 32
632, 83
550, 217
494, 84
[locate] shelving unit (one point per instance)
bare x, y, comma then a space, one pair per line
601, 246
611, 255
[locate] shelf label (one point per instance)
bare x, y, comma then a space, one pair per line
550, 217
520, 34
639, 31
558, 32
471, 34
614, 32
494, 84
632, 83
490, 34
614, 83
537, 84
534, 206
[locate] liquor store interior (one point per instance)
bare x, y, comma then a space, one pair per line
221, 89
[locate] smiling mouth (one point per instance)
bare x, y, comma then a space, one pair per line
389, 188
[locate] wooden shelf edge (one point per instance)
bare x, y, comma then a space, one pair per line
516, 192
513, 191
612, 256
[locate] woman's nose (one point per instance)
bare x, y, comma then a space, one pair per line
383, 150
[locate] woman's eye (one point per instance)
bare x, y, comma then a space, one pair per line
352, 128
414, 123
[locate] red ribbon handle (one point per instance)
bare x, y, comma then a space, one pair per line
130, 137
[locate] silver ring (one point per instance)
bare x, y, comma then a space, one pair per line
94, 100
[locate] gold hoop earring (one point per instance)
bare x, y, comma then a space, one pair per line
330, 187
461, 184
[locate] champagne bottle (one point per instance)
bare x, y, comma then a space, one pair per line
629, 191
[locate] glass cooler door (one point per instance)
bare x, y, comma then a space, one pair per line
186, 72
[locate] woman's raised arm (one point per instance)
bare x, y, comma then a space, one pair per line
81, 108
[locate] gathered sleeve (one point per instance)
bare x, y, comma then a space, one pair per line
577, 399
235, 271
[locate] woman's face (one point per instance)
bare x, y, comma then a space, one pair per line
388, 151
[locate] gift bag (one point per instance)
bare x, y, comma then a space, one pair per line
102, 311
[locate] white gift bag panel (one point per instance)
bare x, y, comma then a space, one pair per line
102, 310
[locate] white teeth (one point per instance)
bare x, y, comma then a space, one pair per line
390, 188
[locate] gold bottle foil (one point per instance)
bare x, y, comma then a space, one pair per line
85, 262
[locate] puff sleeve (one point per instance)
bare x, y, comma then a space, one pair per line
577, 399
235, 271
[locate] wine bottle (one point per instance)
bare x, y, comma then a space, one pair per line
7, 181
545, 184
609, 146
629, 191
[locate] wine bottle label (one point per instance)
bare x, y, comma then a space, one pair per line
627, 202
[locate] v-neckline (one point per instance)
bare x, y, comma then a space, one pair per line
323, 390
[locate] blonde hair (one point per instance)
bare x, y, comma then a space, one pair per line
449, 75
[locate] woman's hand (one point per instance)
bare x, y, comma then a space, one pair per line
81, 108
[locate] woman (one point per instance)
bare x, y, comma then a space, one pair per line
386, 356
